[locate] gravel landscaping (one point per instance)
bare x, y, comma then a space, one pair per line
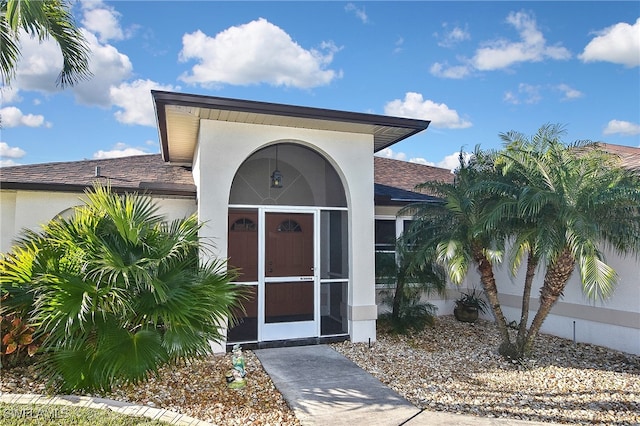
451, 367
455, 367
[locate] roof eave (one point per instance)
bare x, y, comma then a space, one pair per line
145, 188
162, 99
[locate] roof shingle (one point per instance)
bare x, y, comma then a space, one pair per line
140, 173
395, 180
405, 175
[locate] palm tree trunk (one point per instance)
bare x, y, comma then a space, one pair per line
398, 297
488, 280
555, 280
532, 264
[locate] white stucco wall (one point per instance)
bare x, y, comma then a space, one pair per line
613, 323
223, 147
30, 209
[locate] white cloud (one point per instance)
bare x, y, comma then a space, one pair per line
13, 117
526, 94
447, 71
620, 127
135, 102
256, 52
7, 151
452, 36
41, 63
503, 53
360, 13
119, 150
619, 43
452, 161
109, 68
389, 153
9, 94
414, 106
420, 160
532, 46
8, 163
102, 20
398, 45
569, 92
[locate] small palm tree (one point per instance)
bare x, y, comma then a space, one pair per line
117, 291
570, 202
42, 19
452, 232
556, 205
406, 283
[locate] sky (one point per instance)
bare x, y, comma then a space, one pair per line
476, 70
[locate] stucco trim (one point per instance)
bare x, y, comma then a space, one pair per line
578, 311
363, 313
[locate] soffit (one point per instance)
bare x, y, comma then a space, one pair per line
179, 118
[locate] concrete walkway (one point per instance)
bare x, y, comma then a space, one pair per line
325, 388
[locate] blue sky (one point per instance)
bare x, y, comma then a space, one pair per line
475, 69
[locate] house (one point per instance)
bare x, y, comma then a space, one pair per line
294, 196
286, 193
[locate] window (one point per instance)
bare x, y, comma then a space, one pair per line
387, 231
244, 225
289, 226
385, 235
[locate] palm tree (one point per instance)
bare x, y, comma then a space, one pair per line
453, 233
42, 19
406, 283
117, 291
570, 202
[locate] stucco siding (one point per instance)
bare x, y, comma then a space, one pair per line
613, 322
31, 209
350, 154
7, 219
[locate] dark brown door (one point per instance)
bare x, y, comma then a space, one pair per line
289, 244
289, 255
242, 247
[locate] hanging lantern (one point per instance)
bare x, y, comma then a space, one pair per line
276, 176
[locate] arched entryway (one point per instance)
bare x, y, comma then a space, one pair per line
288, 236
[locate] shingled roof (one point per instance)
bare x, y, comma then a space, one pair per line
629, 156
142, 173
405, 175
394, 179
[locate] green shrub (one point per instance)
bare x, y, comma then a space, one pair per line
116, 291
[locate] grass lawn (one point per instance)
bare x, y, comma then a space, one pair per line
52, 415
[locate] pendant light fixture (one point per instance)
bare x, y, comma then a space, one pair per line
276, 176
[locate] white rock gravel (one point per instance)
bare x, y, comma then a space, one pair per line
455, 367
197, 389
452, 367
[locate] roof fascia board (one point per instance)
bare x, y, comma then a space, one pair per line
163, 98
258, 107
181, 190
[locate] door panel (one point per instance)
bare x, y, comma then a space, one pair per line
289, 245
290, 283
289, 302
242, 243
